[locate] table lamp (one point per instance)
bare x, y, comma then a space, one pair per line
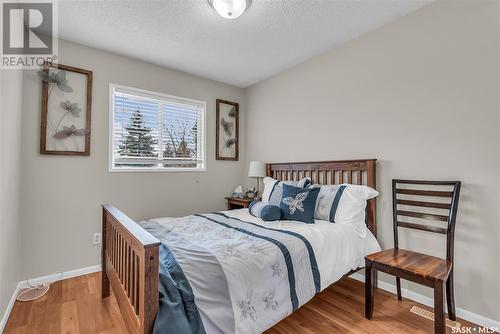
257, 169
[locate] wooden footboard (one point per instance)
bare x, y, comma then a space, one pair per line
129, 260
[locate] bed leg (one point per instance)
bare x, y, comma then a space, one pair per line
105, 286
104, 276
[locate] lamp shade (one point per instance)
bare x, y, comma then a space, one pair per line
257, 169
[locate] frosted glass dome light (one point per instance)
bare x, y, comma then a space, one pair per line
230, 9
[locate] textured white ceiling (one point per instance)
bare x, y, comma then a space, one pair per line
188, 35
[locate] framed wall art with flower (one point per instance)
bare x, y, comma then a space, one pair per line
227, 130
66, 108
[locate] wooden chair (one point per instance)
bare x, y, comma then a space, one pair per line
428, 270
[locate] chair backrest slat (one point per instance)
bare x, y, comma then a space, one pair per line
423, 227
421, 215
445, 206
430, 193
448, 201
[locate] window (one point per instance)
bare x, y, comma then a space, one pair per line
153, 131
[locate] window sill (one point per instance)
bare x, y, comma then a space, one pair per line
155, 170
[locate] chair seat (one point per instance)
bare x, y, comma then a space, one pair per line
425, 266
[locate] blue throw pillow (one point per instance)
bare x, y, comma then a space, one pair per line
298, 203
264, 211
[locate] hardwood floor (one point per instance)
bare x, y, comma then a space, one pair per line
70, 306
75, 306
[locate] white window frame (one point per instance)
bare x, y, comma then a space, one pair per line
159, 96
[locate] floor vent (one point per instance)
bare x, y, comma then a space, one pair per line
429, 315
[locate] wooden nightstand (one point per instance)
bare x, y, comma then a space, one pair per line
238, 203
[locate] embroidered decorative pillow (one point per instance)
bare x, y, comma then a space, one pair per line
298, 203
273, 189
264, 211
343, 203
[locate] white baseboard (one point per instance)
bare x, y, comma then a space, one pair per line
419, 298
62, 275
44, 279
9, 307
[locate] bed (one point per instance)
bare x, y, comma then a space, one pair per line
208, 269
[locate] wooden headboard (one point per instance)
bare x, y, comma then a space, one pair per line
332, 172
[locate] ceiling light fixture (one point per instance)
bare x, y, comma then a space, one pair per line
230, 9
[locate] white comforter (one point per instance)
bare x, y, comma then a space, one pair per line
246, 276
338, 248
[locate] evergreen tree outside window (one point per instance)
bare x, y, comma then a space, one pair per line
153, 131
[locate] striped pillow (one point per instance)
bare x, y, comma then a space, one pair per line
273, 189
343, 203
328, 202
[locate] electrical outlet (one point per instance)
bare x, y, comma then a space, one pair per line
97, 238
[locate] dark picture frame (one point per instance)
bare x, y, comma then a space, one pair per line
227, 130
65, 130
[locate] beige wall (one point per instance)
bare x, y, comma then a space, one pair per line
62, 195
420, 95
10, 159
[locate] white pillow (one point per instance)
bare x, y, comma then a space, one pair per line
273, 189
344, 204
